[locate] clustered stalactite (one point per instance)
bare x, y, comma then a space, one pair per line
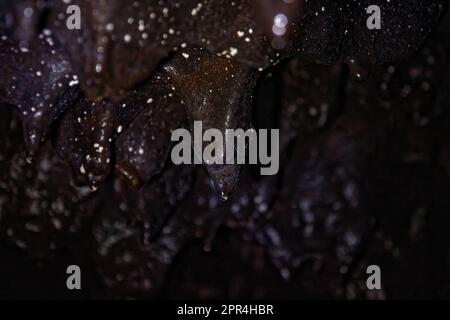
97, 107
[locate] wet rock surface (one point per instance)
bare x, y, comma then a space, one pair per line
86, 118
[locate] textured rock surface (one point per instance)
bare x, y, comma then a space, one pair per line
85, 123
